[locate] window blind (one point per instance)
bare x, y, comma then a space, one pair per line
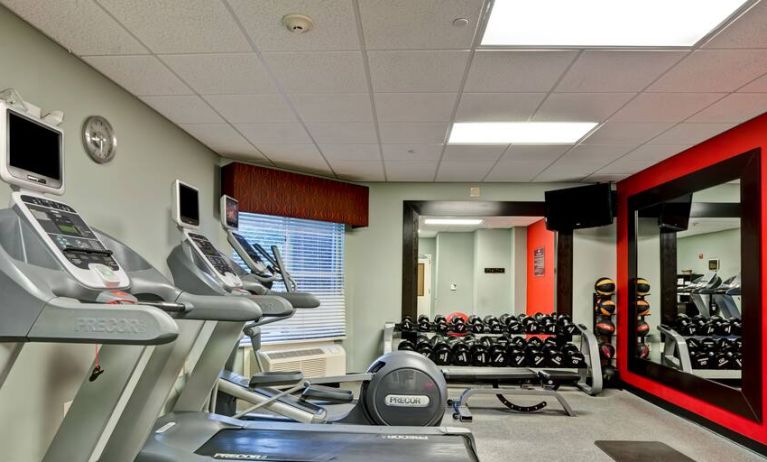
313, 252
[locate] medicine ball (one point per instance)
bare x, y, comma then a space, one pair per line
642, 328
605, 307
643, 350
605, 326
606, 350
642, 287
642, 307
604, 286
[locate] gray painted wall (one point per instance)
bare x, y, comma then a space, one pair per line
724, 245
493, 292
454, 269
594, 256
519, 259
128, 198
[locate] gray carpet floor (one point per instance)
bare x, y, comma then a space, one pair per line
551, 436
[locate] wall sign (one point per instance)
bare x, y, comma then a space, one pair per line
538, 266
495, 270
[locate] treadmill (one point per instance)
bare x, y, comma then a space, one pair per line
727, 297
191, 435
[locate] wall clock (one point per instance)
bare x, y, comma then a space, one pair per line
99, 139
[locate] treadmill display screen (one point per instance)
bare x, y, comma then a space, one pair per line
232, 213
33, 147
188, 205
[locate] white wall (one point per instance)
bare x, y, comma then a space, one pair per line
493, 291
519, 275
594, 256
724, 245
128, 198
455, 268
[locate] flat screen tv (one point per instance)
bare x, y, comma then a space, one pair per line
580, 207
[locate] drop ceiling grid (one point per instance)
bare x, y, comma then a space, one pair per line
722, 101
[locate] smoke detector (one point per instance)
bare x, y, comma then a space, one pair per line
297, 23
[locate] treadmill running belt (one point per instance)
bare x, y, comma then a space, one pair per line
310, 446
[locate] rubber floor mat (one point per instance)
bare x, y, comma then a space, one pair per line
641, 451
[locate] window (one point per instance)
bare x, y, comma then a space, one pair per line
313, 251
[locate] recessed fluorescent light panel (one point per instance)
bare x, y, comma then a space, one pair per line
453, 221
519, 132
605, 23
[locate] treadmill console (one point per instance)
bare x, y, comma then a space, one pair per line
72, 241
214, 260
245, 249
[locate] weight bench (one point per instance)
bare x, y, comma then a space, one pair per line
501, 378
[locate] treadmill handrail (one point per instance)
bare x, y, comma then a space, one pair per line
219, 307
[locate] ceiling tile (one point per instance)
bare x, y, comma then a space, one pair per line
714, 71
455, 153
655, 152
463, 171
244, 109
351, 152
415, 132
223, 139
690, 133
411, 170
343, 132
141, 75
569, 171
80, 26
179, 26
334, 24
756, 86
625, 166
183, 109
735, 108
422, 24
624, 134
297, 157
223, 73
272, 133
664, 107
594, 153
411, 152
417, 71
617, 71
516, 171
319, 72
581, 107
359, 170
748, 31
497, 107
314, 167
341, 107
535, 153
415, 107
605, 178
517, 71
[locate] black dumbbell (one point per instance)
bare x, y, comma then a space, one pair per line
548, 325
554, 356
497, 353
684, 325
407, 324
493, 325
477, 352
534, 357
565, 325
440, 324
517, 342
530, 325
406, 345
737, 360
708, 344
721, 326
458, 325
573, 356
441, 351
535, 341
475, 324
737, 326
702, 325
724, 360
515, 355
423, 346
424, 325
459, 352
702, 359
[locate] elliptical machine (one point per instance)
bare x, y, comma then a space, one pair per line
399, 388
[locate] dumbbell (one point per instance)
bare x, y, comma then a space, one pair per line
737, 360
534, 341
440, 324
476, 326
565, 325
708, 344
423, 346
573, 355
702, 325
702, 359
554, 356
406, 345
737, 326
517, 342
497, 353
477, 352
534, 357
515, 354
724, 360
407, 324
459, 352
458, 325
512, 324
424, 325
684, 325
493, 325
721, 326
547, 325
441, 351
530, 325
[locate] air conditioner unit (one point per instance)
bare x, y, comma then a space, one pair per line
316, 361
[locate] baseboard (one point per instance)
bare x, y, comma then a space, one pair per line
725, 432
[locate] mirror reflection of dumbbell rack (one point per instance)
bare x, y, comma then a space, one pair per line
707, 347
508, 343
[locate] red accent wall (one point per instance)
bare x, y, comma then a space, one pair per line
750, 135
540, 289
274, 192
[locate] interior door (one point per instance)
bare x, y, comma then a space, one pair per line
424, 286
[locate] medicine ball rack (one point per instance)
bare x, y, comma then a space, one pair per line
514, 381
676, 354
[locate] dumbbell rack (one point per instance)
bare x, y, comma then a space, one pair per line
676, 354
589, 377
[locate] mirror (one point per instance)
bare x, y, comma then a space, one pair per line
478, 265
695, 284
